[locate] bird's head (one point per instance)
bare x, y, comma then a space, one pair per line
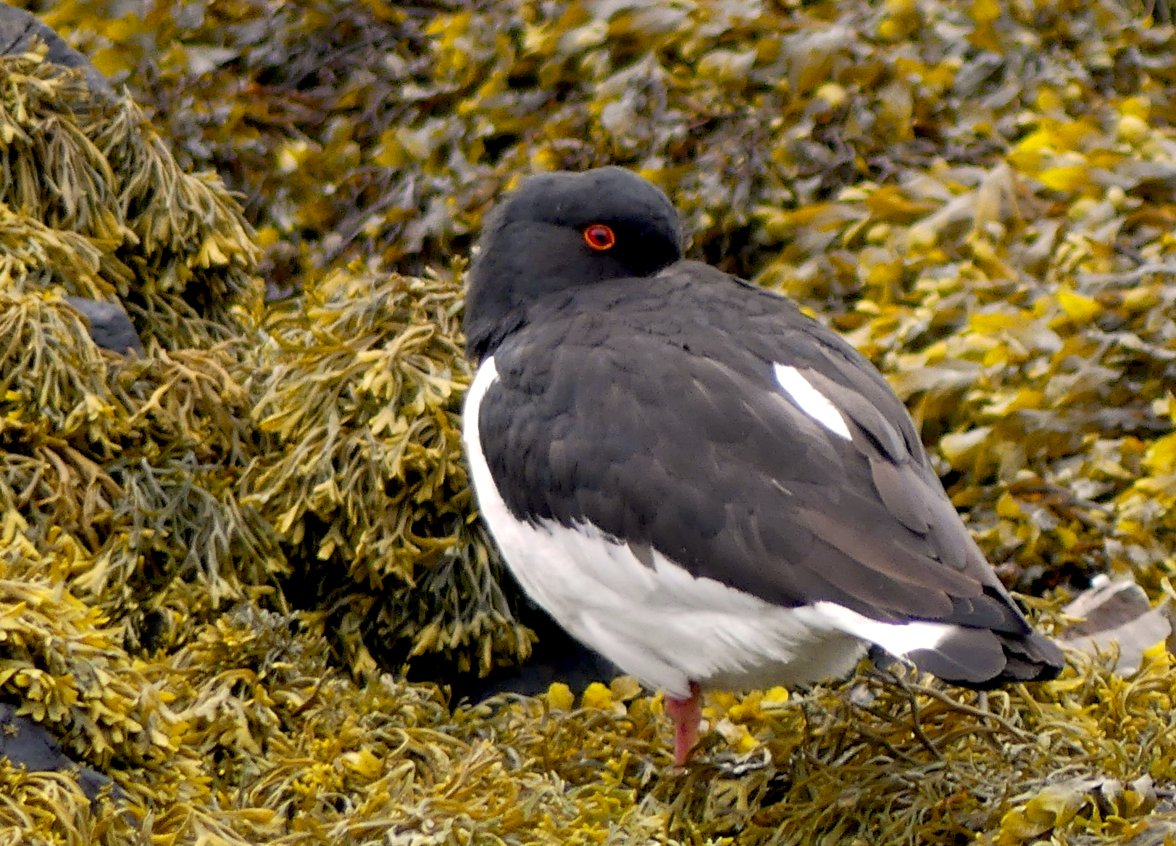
559, 231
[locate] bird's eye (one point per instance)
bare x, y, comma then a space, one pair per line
600, 237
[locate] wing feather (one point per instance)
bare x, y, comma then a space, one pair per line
679, 439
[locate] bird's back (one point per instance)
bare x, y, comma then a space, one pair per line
737, 462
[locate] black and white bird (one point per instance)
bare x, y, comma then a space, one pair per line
698, 481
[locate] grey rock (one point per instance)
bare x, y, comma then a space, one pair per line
110, 325
1116, 619
19, 29
27, 743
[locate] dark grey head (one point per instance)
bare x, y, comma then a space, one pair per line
559, 231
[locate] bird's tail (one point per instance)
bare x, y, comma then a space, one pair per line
983, 659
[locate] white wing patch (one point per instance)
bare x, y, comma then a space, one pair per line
811, 401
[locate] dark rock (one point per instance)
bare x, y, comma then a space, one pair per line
27, 743
20, 29
110, 325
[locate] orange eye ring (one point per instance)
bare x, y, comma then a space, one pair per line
599, 237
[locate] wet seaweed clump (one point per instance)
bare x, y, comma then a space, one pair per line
360, 471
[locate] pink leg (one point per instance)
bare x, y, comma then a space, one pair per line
686, 714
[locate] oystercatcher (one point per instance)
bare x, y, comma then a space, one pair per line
698, 481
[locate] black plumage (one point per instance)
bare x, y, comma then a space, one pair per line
638, 393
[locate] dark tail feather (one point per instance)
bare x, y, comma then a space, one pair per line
1034, 658
983, 659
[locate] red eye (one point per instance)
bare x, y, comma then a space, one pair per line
600, 237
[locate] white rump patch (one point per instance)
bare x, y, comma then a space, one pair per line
811, 401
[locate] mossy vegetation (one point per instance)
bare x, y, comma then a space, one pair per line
217, 558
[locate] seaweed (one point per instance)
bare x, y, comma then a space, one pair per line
358, 400
219, 558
